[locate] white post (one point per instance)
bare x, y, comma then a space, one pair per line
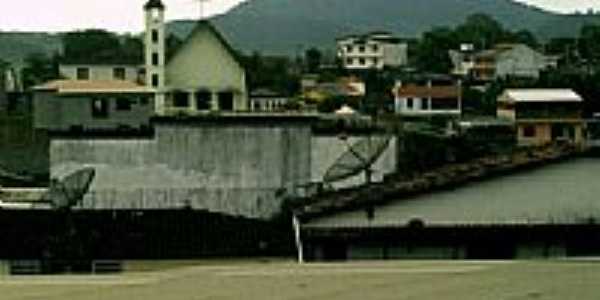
296, 223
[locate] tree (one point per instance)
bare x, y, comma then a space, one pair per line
101, 46
481, 30
525, 37
39, 69
588, 42
432, 54
313, 59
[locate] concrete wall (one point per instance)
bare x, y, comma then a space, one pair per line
52, 111
327, 149
237, 169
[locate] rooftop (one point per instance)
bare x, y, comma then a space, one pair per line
92, 86
542, 95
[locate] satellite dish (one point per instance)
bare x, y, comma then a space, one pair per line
68, 192
357, 159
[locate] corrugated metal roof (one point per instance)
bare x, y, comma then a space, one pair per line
92, 86
543, 95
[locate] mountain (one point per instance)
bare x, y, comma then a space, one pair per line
288, 26
292, 26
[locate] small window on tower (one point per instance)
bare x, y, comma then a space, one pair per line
155, 59
155, 80
155, 36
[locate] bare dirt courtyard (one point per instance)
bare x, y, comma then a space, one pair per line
422, 280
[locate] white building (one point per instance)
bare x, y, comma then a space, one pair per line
103, 72
372, 51
427, 99
504, 60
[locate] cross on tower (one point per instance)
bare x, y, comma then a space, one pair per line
201, 3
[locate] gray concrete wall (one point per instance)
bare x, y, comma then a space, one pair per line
52, 111
238, 169
327, 149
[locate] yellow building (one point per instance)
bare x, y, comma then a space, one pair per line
543, 116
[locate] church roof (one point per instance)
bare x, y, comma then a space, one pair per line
154, 4
208, 25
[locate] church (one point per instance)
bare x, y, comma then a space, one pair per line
203, 75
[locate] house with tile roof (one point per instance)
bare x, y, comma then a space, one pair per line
543, 116
429, 97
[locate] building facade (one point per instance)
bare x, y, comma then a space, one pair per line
265, 100
372, 51
504, 60
428, 98
64, 105
543, 116
102, 72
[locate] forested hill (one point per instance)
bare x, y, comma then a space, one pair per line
284, 26
291, 26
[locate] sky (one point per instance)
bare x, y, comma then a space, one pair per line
127, 16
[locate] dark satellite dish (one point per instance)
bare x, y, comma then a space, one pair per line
68, 192
357, 159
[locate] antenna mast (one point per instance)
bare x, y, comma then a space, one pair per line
202, 11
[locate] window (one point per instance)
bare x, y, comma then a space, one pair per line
119, 74
155, 60
83, 73
154, 36
349, 48
362, 61
375, 48
181, 99
155, 80
375, 61
409, 103
123, 103
226, 101
361, 49
349, 61
529, 131
99, 108
203, 100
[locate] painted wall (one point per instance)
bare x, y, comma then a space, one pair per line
237, 169
100, 72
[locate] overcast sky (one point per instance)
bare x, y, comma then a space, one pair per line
126, 15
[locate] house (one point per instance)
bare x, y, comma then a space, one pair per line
504, 60
63, 105
428, 97
543, 116
133, 72
266, 100
375, 50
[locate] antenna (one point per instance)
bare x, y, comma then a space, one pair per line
357, 159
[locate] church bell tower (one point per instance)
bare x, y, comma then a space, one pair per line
155, 51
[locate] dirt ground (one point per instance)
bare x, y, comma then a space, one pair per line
422, 280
